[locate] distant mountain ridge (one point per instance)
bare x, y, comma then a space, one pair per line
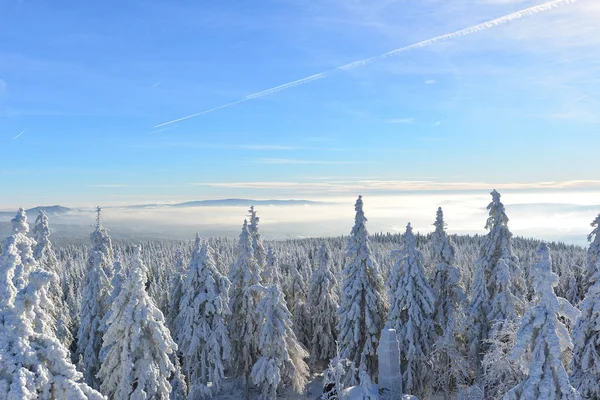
50, 210
233, 203
58, 210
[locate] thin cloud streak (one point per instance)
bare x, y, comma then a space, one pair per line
297, 161
345, 186
360, 63
20, 133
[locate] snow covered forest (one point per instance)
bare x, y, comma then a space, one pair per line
474, 317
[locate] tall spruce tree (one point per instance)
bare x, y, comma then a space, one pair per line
585, 364
542, 338
34, 364
43, 252
137, 364
244, 326
95, 302
282, 357
411, 307
363, 308
322, 307
203, 337
448, 361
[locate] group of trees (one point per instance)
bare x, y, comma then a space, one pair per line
478, 315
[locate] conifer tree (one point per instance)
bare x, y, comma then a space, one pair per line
281, 355
585, 364
322, 307
24, 244
445, 280
363, 308
95, 302
44, 253
593, 252
499, 269
542, 338
137, 363
203, 337
411, 306
34, 364
448, 362
257, 245
176, 292
271, 274
244, 275
92, 324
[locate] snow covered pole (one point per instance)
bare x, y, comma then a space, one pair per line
390, 376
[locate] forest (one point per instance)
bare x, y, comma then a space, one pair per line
464, 316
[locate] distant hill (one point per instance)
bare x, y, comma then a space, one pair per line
50, 210
233, 203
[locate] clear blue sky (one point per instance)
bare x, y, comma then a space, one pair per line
87, 81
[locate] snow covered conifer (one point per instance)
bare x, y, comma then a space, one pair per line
340, 375
102, 242
9, 260
411, 306
445, 280
593, 252
585, 364
363, 308
33, 362
322, 307
476, 325
244, 326
24, 245
257, 245
92, 324
498, 269
281, 355
176, 291
137, 363
95, 302
44, 253
271, 274
542, 338
448, 361
203, 337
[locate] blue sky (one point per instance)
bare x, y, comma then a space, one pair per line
515, 106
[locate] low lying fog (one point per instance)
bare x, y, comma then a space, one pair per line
563, 216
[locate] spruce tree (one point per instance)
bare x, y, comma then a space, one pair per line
363, 308
499, 268
137, 363
34, 364
203, 337
176, 291
593, 252
271, 274
448, 361
322, 307
244, 275
257, 245
44, 253
585, 364
542, 338
411, 307
281, 355
95, 302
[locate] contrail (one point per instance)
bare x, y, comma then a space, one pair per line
442, 38
20, 133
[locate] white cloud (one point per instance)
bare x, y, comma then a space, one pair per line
401, 120
297, 161
387, 186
